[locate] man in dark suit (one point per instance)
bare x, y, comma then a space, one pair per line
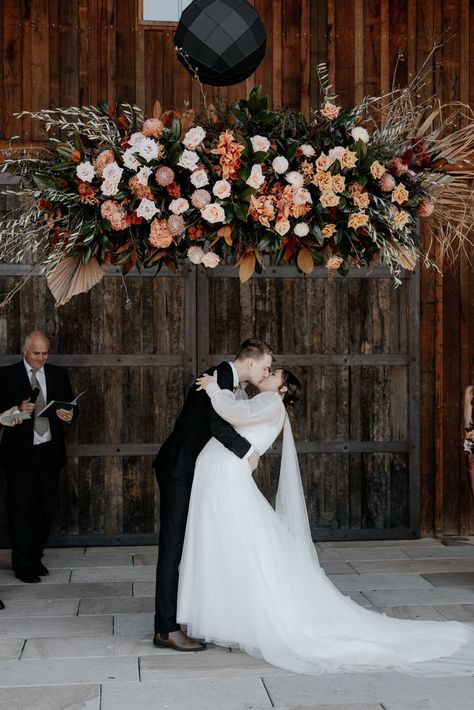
33, 453
174, 469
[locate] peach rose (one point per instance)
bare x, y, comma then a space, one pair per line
334, 262
361, 199
400, 219
357, 219
377, 170
301, 196
329, 199
323, 162
338, 183
400, 194
330, 110
323, 181
349, 159
329, 230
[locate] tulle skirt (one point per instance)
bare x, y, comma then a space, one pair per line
244, 582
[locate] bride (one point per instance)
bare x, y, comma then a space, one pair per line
249, 575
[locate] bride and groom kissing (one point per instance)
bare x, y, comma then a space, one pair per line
237, 572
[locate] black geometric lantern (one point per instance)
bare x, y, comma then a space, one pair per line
223, 41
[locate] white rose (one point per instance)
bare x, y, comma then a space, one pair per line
136, 138
85, 171
179, 206
109, 188
194, 137
199, 178
256, 177
360, 134
307, 150
129, 159
282, 226
112, 172
195, 255
213, 213
188, 160
301, 196
147, 209
260, 144
336, 153
222, 189
210, 260
148, 149
143, 175
295, 178
301, 229
280, 164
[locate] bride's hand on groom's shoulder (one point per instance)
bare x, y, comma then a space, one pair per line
205, 380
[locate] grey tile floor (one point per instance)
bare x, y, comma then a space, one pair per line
81, 640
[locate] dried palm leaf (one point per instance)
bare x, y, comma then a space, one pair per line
71, 276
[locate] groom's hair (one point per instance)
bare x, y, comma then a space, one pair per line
254, 349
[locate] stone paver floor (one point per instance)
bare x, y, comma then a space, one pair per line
82, 638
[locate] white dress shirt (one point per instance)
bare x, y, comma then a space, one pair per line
40, 376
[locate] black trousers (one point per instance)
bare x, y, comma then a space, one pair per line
174, 504
31, 496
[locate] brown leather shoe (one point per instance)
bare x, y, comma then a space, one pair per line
178, 641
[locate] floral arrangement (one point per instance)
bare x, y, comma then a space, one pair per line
245, 184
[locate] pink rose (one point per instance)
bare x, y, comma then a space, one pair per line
199, 178
194, 137
222, 189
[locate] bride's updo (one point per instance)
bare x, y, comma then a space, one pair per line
293, 388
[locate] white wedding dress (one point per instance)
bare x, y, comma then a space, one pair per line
249, 575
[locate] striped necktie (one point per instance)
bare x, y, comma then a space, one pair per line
41, 423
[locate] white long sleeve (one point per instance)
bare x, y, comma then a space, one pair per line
264, 408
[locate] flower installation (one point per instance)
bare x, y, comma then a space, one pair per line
244, 185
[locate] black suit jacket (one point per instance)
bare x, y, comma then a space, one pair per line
17, 442
197, 423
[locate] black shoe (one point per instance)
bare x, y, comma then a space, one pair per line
27, 576
41, 570
2, 605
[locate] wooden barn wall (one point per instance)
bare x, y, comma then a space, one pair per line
60, 53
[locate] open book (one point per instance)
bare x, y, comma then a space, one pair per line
7, 418
55, 404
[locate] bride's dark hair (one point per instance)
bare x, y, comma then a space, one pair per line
293, 387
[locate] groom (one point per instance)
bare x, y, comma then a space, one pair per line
174, 465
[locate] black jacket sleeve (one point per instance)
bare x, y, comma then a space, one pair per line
222, 430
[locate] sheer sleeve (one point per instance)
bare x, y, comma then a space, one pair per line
265, 408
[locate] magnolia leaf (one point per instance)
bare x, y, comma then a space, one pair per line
246, 266
225, 233
305, 260
157, 110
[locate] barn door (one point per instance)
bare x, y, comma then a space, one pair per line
354, 344
136, 361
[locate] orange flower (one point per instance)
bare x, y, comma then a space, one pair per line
262, 209
357, 219
230, 153
87, 193
173, 190
139, 190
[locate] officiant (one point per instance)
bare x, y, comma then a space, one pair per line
33, 453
